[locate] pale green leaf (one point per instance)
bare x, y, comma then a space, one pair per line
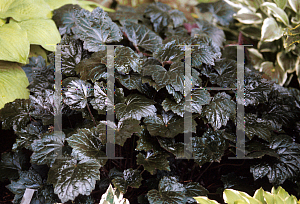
248, 17
253, 3
13, 83
280, 3
277, 12
295, 4
205, 200
251, 31
231, 196
2, 22
21, 10
270, 30
90, 6
14, 43
42, 32
287, 61
55, 4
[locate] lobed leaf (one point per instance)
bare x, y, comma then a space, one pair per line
95, 29
209, 148
47, 149
130, 178
169, 191
219, 110
141, 36
135, 106
71, 178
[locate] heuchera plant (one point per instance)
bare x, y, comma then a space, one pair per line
149, 109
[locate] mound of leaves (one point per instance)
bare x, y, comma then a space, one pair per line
149, 105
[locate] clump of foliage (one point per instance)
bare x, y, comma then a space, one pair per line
267, 23
149, 72
277, 195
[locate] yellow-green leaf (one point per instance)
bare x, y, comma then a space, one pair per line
42, 32
14, 43
259, 195
281, 192
278, 199
4, 5
230, 196
90, 6
36, 50
249, 199
55, 4
13, 83
2, 22
292, 199
24, 9
136, 3
205, 200
207, 1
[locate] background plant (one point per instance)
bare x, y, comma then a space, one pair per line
265, 23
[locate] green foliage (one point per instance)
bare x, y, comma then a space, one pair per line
149, 104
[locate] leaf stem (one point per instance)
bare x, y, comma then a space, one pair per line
203, 172
206, 83
91, 115
229, 165
132, 151
116, 164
